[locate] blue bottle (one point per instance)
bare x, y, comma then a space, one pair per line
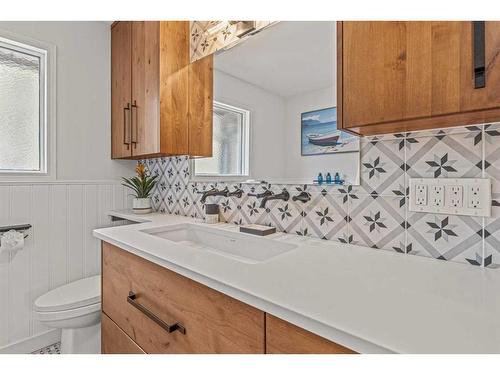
320, 178
328, 178
336, 179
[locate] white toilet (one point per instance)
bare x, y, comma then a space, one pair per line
75, 308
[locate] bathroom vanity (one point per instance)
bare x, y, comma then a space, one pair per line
159, 311
164, 292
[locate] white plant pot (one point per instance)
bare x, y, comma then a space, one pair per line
141, 205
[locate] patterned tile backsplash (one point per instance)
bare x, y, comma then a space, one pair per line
375, 213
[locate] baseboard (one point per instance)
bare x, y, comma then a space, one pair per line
30, 344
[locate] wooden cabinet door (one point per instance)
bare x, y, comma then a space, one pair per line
212, 321
473, 99
174, 87
121, 76
161, 104
394, 71
285, 338
145, 112
201, 105
114, 340
398, 76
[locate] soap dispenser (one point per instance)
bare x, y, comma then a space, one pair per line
211, 213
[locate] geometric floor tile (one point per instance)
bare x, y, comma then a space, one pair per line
51, 349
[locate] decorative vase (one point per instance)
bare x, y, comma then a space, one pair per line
141, 205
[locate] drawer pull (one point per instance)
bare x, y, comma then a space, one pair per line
167, 327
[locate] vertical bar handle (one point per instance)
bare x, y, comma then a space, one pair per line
125, 111
479, 57
133, 131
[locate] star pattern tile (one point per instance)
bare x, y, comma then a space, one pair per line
375, 213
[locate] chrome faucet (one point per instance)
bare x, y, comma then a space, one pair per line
284, 195
213, 193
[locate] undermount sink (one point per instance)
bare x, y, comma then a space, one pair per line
243, 247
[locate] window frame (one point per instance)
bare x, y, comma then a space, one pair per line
245, 152
46, 53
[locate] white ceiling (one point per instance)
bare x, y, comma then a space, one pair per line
289, 58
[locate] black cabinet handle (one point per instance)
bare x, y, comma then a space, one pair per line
133, 130
131, 298
125, 127
479, 54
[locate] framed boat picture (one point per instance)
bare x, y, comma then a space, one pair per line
319, 134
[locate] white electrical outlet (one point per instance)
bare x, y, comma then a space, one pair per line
455, 194
474, 199
421, 195
459, 196
437, 196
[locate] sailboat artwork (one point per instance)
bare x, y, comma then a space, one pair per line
321, 136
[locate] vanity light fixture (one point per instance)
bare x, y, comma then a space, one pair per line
243, 27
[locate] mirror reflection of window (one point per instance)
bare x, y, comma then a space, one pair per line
230, 143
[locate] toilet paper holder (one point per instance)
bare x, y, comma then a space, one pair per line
18, 227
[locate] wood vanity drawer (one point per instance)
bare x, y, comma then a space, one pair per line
285, 338
213, 322
114, 340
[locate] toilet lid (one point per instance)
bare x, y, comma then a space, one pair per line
79, 293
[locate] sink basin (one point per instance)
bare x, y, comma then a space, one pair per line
240, 246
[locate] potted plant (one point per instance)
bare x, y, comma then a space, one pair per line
142, 185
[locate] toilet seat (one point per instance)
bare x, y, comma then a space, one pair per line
81, 296
52, 316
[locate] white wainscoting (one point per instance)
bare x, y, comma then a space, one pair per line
60, 247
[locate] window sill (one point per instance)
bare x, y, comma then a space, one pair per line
6, 177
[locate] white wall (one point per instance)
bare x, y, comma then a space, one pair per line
267, 140
60, 247
298, 166
83, 96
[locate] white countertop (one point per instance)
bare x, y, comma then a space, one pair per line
370, 301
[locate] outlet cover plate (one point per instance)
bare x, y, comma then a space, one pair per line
473, 195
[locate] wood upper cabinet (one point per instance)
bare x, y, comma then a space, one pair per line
121, 89
155, 89
406, 76
145, 88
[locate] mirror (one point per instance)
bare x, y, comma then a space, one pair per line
274, 109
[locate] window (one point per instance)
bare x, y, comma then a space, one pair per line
230, 143
23, 130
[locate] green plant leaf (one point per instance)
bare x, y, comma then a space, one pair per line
141, 186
